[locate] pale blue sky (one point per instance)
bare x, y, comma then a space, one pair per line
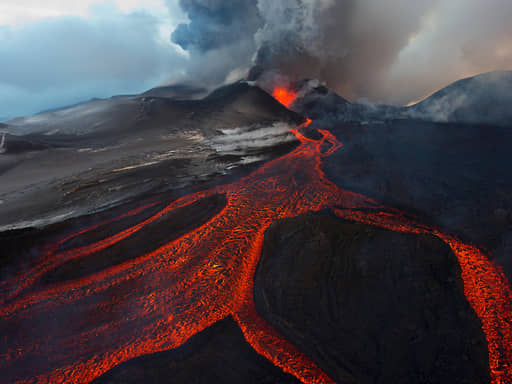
60, 52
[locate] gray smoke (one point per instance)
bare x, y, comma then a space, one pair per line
219, 37
391, 51
216, 23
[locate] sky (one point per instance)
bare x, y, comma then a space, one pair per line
60, 52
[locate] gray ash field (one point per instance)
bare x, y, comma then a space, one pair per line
89, 157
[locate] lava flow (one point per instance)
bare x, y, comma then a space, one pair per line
160, 299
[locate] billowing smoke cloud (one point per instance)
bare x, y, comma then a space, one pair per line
348, 44
219, 37
216, 23
459, 38
393, 51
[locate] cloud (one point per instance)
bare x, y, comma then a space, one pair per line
351, 45
393, 52
216, 23
24, 11
58, 61
459, 39
219, 37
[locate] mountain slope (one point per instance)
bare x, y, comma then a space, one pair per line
482, 99
92, 155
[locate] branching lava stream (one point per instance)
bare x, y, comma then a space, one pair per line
159, 300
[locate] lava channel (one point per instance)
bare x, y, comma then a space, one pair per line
160, 299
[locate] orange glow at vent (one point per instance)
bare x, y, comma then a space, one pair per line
284, 96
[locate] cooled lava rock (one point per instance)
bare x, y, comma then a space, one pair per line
219, 354
452, 175
370, 305
152, 236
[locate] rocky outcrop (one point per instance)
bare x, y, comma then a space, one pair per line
219, 354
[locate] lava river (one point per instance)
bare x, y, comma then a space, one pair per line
206, 275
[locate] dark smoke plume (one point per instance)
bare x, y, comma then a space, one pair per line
216, 23
387, 51
219, 37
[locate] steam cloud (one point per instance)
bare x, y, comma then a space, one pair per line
219, 37
394, 51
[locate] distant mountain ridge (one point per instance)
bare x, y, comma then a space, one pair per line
123, 113
482, 99
320, 103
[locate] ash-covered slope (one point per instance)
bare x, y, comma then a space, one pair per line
89, 156
482, 99
10, 144
323, 105
368, 305
120, 114
179, 91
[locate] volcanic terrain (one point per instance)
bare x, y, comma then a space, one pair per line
253, 236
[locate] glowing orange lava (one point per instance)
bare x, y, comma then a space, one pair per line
284, 96
181, 288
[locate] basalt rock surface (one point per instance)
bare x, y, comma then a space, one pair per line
454, 176
219, 354
369, 305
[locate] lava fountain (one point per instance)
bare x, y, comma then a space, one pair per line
160, 299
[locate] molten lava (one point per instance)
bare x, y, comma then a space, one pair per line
160, 299
284, 96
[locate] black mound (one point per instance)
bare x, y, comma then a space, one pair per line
251, 100
219, 354
370, 305
453, 175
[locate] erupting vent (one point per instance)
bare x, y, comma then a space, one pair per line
284, 96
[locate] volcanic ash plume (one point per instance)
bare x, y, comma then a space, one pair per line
219, 37
392, 52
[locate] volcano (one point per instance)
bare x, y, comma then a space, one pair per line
481, 99
234, 236
103, 153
